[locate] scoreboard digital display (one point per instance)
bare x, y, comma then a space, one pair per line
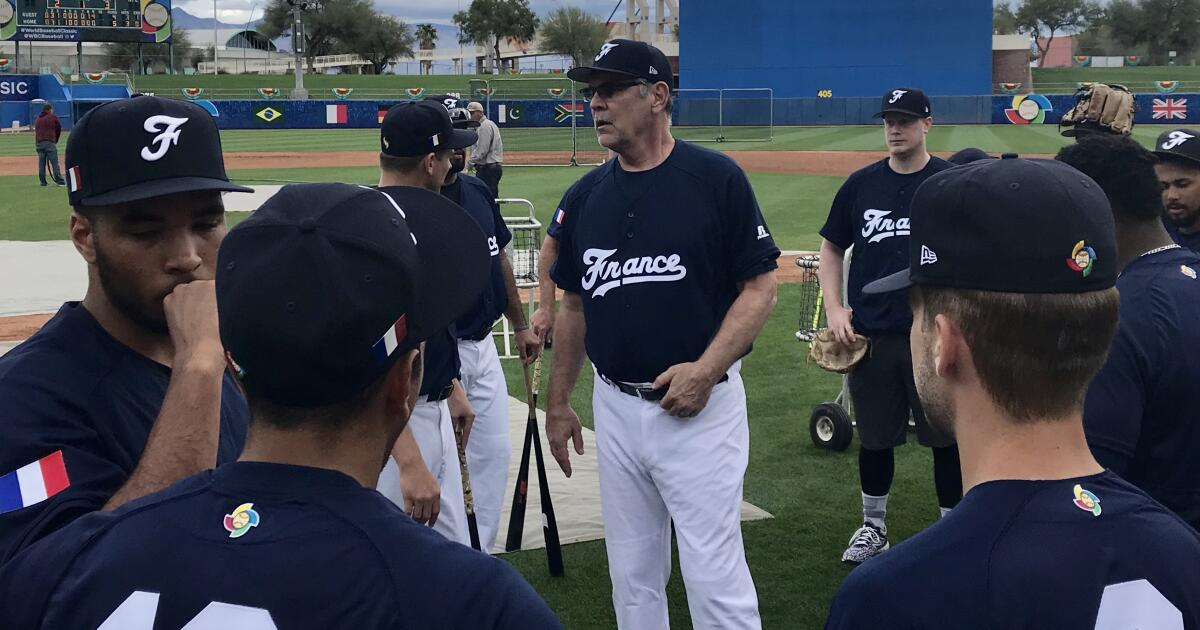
146, 21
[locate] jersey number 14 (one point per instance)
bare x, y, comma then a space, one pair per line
138, 610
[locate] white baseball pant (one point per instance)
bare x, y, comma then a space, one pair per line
490, 447
655, 469
432, 428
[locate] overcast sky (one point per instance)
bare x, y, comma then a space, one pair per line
413, 12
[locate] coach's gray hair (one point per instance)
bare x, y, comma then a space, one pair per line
644, 90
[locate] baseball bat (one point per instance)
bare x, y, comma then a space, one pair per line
549, 523
516, 518
468, 498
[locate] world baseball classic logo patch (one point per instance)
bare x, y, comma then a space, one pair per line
1082, 259
241, 520
1086, 501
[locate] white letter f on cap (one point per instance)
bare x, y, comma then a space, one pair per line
604, 50
168, 130
896, 94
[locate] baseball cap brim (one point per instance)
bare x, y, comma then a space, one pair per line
160, 188
459, 139
454, 265
887, 284
583, 74
897, 110
1171, 155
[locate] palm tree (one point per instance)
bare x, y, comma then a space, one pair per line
426, 36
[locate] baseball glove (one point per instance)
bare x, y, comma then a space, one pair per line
1101, 107
830, 354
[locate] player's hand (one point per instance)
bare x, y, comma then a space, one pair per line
422, 496
562, 424
838, 318
191, 311
542, 322
461, 412
529, 346
688, 387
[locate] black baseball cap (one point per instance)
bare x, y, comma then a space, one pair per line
420, 127
628, 58
1010, 225
460, 118
905, 100
1179, 143
1088, 127
142, 147
968, 155
325, 284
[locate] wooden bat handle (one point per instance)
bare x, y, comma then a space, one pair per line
468, 499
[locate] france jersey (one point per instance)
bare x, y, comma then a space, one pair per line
1190, 241
1142, 411
656, 257
871, 212
76, 409
474, 196
261, 546
1086, 553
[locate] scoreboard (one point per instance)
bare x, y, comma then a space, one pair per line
146, 21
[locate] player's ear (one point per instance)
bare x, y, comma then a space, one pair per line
83, 236
950, 351
403, 386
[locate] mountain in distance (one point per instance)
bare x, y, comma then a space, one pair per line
182, 19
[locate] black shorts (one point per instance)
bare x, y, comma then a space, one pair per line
883, 393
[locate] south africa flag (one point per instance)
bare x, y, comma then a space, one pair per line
565, 111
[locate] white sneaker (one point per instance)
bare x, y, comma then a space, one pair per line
866, 543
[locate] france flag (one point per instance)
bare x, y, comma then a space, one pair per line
33, 483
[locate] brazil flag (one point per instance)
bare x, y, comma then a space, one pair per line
268, 115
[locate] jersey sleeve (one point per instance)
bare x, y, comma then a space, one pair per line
839, 225
54, 463
28, 581
566, 272
859, 605
751, 248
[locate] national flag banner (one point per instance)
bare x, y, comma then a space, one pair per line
33, 483
559, 215
335, 114
1169, 108
74, 181
268, 114
383, 110
566, 111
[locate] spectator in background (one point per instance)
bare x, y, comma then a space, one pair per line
487, 156
1178, 172
1141, 411
46, 131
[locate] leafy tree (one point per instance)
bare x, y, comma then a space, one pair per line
426, 37
329, 25
573, 32
1004, 21
382, 41
1048, 18
125, 54
1169, 25
486, 22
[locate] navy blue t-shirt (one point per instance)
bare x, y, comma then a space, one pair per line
1142, 411
473, 195
257, 546
1190, 241
657, 271
1033, 554
440, 362
73, 389
871, 212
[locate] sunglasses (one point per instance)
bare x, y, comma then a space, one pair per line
608, 90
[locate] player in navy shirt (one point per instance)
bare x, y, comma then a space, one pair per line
424, 475
324, 295
126, 392
1178, 171
1004, 347
871, 213
1142, 412
481, 375
668, 272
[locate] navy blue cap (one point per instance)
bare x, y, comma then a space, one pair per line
419, 127
1012, 226
905, 100
1179, 143
142, 147
460, 117
325, 285
627, 58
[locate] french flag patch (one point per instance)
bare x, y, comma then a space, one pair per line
390, 340
33, 483
74, 181
558, 216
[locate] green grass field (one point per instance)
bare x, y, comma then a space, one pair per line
1136, 78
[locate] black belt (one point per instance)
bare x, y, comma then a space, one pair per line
488, 165
439, 396
479, 336
641, 391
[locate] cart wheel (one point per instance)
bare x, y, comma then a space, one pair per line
830, 428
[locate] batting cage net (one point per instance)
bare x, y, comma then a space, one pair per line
568, 142
522, 252
724, 115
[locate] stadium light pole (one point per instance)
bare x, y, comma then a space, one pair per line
298, 93
215, 37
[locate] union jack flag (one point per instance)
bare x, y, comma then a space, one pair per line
1169, 108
